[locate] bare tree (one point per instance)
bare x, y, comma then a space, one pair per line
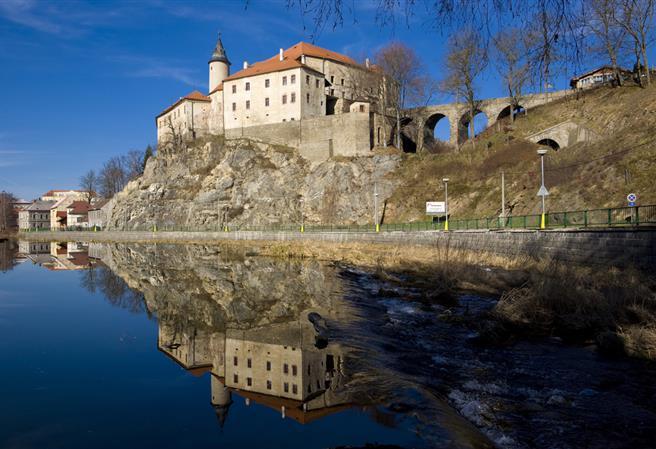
8, 218
609, 37
636, 17
89, 184
133, 162
113, 177
173, 140
409, 81
466, 60
511, 49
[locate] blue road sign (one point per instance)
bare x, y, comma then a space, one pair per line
631, 204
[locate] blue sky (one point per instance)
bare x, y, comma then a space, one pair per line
83, 81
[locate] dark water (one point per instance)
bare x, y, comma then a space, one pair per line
191, 346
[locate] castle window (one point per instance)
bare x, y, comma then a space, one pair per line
266, 101
234, 88
332, 79
268, 365
285, 387
293, 79
248, 85
316, 83
361, 108
248, 363
294, 389
307, 79
235, 378
248, 104
332, 92
284, 80
267, 82
294, 370
307, 98
293, 99
235, 361
284, 99
234, 106
249, 381
268, 384
285, 368
342, 82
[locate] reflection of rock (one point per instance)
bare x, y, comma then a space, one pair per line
211, 288
245, 320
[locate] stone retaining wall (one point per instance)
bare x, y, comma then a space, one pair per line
611, 247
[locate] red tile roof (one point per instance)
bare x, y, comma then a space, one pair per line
193, 96
291, 59
78, 208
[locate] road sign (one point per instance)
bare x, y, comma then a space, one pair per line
435, 207
631, 204
631, 197
543, 191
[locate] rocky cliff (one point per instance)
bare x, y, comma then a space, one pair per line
214, 183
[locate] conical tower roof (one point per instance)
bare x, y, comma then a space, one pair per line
219, 54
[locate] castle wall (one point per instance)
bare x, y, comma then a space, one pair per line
316, 138
216, 113
186, 118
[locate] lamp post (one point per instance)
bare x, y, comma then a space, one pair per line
446, 203
543, 192
376, 207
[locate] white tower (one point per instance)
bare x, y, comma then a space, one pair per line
219, 65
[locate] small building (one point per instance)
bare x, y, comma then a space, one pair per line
187, 117
597, 77
77, 214
97, 216
35, 216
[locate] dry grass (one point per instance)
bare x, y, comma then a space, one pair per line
580, 304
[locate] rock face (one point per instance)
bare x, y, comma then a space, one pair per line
214, 183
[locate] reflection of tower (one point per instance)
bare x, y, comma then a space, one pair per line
221, 399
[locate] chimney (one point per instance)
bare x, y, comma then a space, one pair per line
282, 57
366, 63
245, 65
303, 59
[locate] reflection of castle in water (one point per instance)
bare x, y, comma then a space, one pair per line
56, 256
278, 365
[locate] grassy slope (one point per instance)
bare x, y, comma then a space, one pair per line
581, 176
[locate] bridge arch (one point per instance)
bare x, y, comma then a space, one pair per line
508, 110
437, 133
551, 143
408, 135
481, 121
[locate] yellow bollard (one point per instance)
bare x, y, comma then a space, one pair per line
154, 228
446, 225
94, 229
302, 228
377, 227
542, 222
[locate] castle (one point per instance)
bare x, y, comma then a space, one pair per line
318, 101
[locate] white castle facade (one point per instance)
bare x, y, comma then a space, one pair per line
320, 102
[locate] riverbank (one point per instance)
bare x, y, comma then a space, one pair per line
620, 247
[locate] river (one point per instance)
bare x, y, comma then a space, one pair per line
151, 345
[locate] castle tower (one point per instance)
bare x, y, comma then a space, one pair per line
219, 65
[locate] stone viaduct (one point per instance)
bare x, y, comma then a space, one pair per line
424, 119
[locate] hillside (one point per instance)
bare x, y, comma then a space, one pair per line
212, 183
580, 176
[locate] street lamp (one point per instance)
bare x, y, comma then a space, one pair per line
543, 192
376, 207
446, 203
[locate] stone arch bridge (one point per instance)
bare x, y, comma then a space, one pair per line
424, 119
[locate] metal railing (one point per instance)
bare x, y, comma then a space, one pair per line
599, 218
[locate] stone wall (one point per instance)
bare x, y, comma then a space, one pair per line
608, 247
317, 138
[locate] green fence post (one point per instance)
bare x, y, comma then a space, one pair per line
585, 218
564, 219
609, 221
637, 210
524, 221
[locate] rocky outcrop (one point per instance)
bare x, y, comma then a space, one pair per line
215, 183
